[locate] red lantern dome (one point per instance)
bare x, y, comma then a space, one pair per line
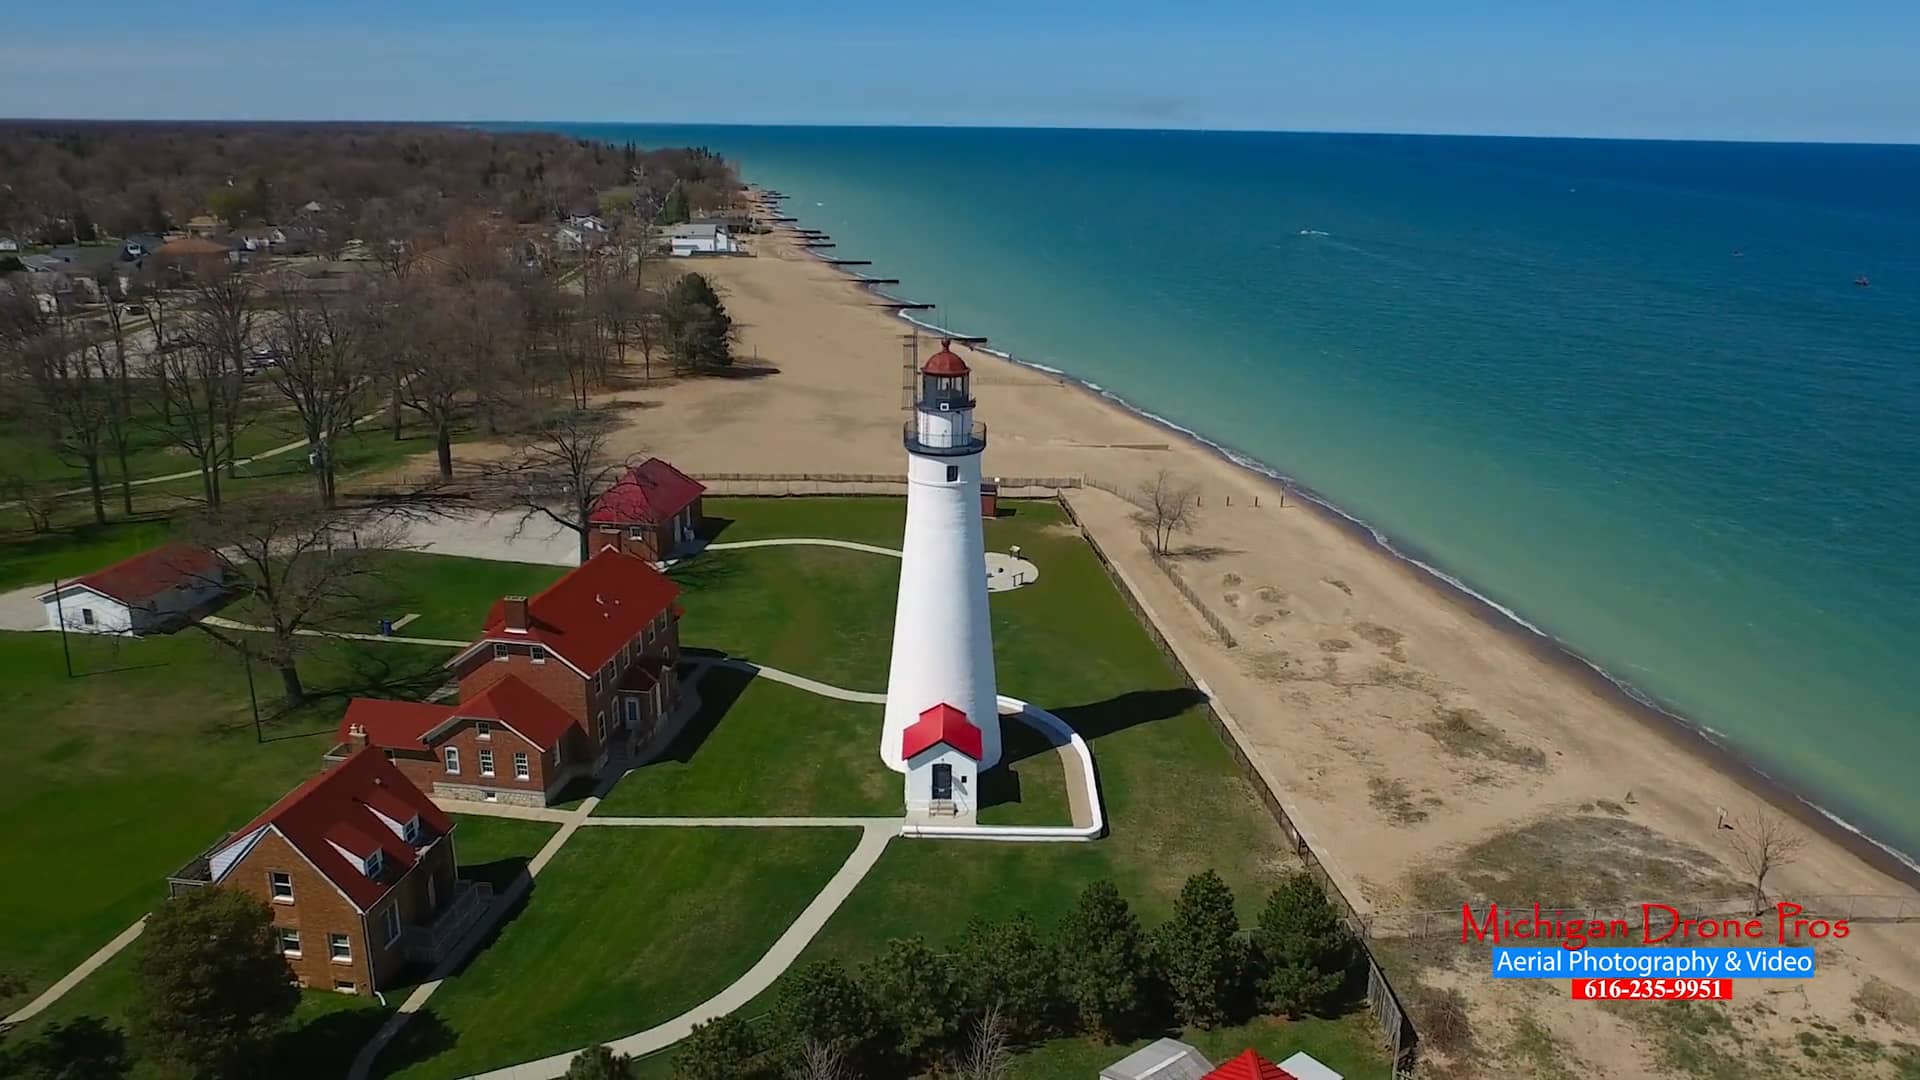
945, 362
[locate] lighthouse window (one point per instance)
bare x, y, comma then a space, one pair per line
953, 473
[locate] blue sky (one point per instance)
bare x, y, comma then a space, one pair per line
1839, 70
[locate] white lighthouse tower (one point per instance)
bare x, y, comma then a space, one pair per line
942, 640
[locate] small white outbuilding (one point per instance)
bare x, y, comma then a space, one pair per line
153, 591
942, 754
707, 238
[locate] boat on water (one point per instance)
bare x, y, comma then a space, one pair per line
1862, 281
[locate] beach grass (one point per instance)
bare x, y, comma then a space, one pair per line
626, 928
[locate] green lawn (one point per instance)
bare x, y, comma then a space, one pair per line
867, 520
38, 558
826, 613
625, 928
269, 423
451, 594
126, 771
761, 748
327, 1028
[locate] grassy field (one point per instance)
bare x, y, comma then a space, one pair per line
327, 1028
625, 928
451, 594
758, 747
38, 558
825, 613
127, 770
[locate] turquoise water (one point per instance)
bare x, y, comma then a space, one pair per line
1537, 365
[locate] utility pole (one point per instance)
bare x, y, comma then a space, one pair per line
246, 656
60, 613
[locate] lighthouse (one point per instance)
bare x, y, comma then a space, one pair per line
942, 706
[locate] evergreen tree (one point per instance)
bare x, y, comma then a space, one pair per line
1104, 962
212, 989
823, 1003
674, 210
1008, 964
600, 1063
1201, 954
699, 332
913, 992
727, 1048
1305, 950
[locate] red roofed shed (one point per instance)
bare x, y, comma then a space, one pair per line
154, 590
652, 512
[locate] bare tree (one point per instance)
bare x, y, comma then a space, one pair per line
1763, 842
819, 1061
1168, 505
120, 389
321, 370
455, 338
193, 382
986, 1055
220, 320
65, 381
34, 498
293, 565
562, 470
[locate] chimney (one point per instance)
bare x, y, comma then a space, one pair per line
515, 610
357, 736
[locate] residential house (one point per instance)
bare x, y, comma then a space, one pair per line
357, 866
203, 225
708, 238
652, 512
588, 223
155, 591
187, 254
571, 239
557, 686
8, 244
292, 239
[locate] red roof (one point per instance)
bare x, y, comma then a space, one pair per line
944, 362
652, 491
586, 616
339, 807
522, 708
941, 724
139, 579
393, 725
1249, 1066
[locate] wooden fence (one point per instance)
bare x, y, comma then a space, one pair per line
1390, 1015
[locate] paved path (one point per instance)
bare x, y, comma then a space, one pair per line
194, 474
801, 681
494, 809
73, 978
759, 977
229, 624
20, 608
802, 541
502, 903
751, 822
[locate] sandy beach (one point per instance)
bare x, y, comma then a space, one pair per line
1433, 748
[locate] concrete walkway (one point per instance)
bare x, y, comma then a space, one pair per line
802, 541
801, 681
73, 978
506, 810
502, 903
751, 822
194, 474
229, 624
873, 841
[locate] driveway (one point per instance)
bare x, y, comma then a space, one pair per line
492, 535
20, 611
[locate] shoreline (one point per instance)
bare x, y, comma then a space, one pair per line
1699, 741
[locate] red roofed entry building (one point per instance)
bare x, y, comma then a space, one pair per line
652, 512
357, 866
558, 686
942, 753
152, 592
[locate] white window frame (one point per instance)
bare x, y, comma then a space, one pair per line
344, 986
501, 650
376, 862
537, 653
391, 917
292, 950
410, 832
340, 948
86, 616
450, 759
522, 766
482, 730
486, 761
600, 725
636, 532
273, 886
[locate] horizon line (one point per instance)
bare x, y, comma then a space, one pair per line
548, 123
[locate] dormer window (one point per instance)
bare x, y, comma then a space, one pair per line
375, 862
537, 654
500, 650
411, 831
